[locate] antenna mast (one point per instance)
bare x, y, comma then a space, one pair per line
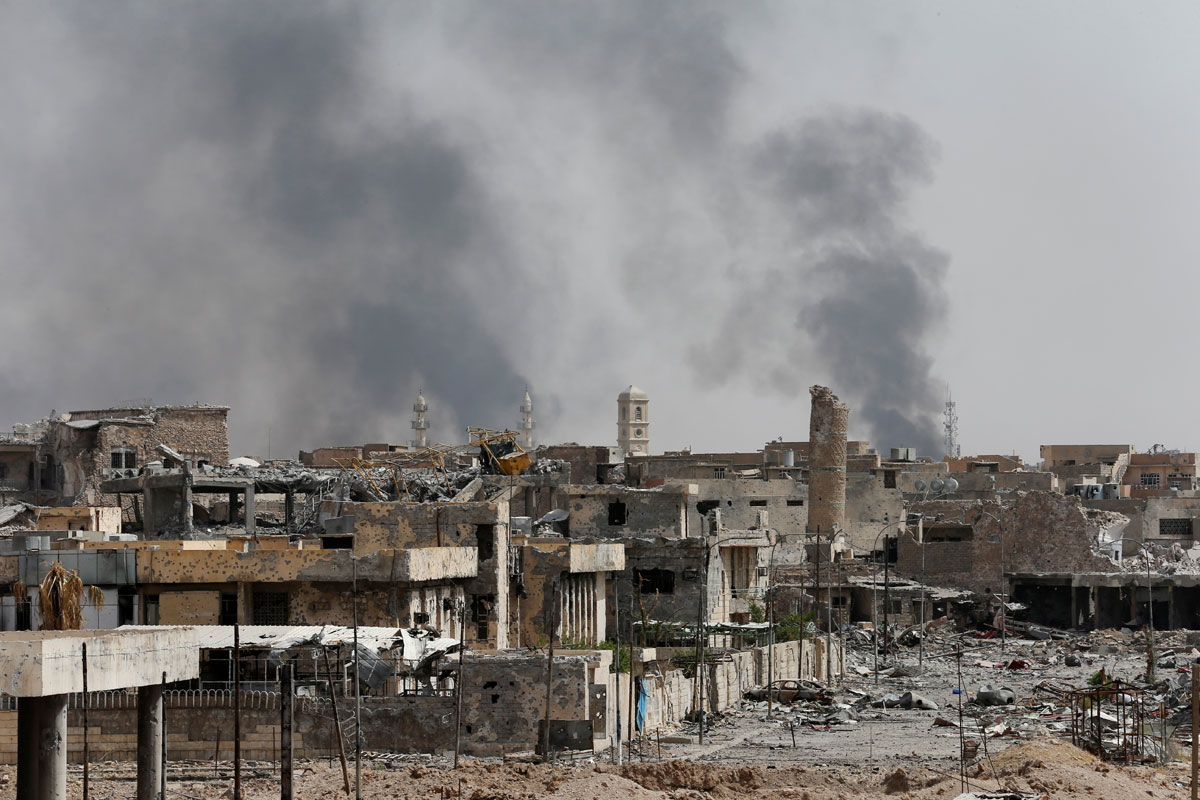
950, 426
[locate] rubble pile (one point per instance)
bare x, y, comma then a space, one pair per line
17, 517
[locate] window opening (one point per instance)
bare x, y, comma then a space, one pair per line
655, 581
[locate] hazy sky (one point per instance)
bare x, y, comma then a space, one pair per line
309, 212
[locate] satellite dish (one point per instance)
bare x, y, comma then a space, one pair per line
937, 484
919, 485
555, 515
951, 484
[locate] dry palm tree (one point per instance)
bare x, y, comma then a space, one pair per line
60, 598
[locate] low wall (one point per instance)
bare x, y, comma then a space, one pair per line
200, 726
671, 695
502, 704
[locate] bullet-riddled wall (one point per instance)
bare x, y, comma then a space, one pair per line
827, 462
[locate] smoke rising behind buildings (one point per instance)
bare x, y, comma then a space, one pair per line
309, 212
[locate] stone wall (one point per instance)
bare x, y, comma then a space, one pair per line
1038, 531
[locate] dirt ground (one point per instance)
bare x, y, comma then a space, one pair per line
1050, 766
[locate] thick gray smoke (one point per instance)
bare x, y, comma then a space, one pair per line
869, 291
311, 211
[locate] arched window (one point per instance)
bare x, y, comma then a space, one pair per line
637, 413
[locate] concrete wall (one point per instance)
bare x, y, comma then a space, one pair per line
973, 483
1055, 455
785, 501
229, 566
869, 507
647, 512
1145, 513
671, 694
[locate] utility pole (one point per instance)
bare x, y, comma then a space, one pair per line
237, 713
617, 619
86, 753
886, 595
458, 683
770, 643
550, 668
357, 691
924, 593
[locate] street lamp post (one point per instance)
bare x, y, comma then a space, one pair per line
875, 594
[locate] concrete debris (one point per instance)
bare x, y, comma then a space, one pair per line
989, 695
905, 700
18, 516
547, 466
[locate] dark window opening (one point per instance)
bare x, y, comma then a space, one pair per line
49, 472
481, 607
705, 506
227, 611
889, 479
655, 581
420, 618
3, 472
719, 473
125, 615
270, 608
1174, 527
795, 502
118, 459
151, 605
168, 463
24, 614
616, 513
337, 542
897, 606
485, 536
949, 533
758, 502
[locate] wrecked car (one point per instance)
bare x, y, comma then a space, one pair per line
790, 691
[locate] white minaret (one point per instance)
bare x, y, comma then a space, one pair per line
633, 422
419, 424
527, 422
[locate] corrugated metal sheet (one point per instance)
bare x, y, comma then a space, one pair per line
95, 567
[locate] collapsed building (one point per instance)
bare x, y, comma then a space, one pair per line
579, 549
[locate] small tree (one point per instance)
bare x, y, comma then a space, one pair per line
60, 599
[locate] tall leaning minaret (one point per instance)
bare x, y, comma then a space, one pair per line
527, 421
419, 424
